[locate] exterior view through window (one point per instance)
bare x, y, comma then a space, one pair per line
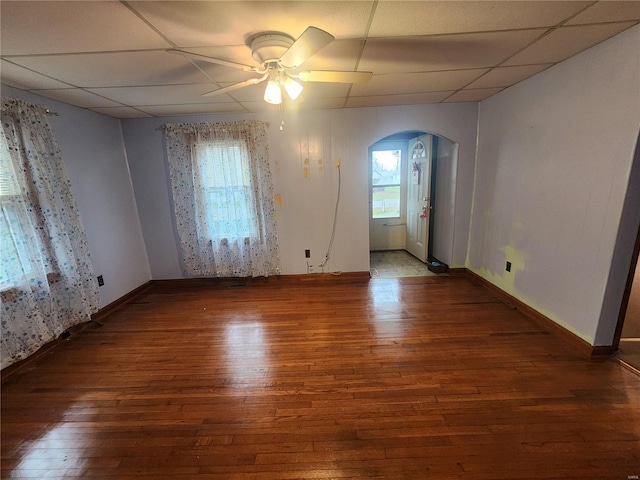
226, 179
15, 226
385, 181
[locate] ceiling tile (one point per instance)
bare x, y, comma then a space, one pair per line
17, 76
259, 106
507, 76
407, 99
320, 103
161, 95
338, 55
117, 69
78, 26
415, 82
121, 112
472, 95
115, 50
393, 19
444, 52
193, 109
195, 24
565, 42
609, 11
78, 97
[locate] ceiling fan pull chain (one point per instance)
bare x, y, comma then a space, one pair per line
281, 118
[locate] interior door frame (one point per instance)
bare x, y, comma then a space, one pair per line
627, 293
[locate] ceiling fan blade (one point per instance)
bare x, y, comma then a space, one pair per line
204, 58
235, 86
309, 43
335, 77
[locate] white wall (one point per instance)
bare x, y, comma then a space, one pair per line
308, 192
444, 200
553, 165
95, 160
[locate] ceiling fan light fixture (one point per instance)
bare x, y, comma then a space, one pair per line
273, 93
293, 88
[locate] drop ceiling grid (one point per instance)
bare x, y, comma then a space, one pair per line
110, 56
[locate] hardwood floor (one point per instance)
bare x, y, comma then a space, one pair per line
414, 378
396, 263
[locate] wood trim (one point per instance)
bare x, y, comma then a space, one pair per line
245, 281
628, 366
542, 320
627, 292
332, 277
113, 306
458, 271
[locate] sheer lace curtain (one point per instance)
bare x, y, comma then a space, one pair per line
46, 278
223, 198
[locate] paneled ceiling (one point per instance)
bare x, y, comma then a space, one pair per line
111, 56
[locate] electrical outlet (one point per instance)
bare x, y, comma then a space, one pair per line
307, 254
100, 281
508, 268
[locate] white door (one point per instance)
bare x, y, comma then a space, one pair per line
418, 198
387, 195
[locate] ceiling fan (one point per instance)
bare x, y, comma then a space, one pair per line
279, 56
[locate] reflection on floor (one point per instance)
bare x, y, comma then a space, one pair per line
396, 263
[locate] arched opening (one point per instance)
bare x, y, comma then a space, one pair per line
412, 182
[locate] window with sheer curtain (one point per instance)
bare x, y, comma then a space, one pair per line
46, 279
223, 198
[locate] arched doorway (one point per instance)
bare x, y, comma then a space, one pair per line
411, 202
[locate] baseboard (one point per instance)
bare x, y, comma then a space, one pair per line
315, 277
15, 368
113, 306
458, 271
245, 281
542, 320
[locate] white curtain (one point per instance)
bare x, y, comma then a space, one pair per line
46, 278
223, 198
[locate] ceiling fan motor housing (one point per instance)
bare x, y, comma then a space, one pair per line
269, 47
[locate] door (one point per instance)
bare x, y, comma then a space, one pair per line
387, 195
418, 198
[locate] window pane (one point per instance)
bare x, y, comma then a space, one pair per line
8, 179
386, 172
15, 239
386, 202
385, 167
228, 203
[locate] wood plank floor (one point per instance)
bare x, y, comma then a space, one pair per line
413, 378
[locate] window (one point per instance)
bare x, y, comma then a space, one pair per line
15, 227
226, 182
47, 283
385, 183
223, 199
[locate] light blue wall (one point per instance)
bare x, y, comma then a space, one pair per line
552, 172
303, 159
